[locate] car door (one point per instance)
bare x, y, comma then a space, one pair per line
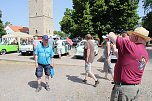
80, 48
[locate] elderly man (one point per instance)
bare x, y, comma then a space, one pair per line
43, 60
89, 57
132, 58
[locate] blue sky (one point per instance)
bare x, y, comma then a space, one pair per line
16, 11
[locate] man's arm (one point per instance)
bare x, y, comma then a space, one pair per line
108, 49
36, 64
52, 62
88, 54
112, 36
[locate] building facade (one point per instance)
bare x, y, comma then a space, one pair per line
41, 17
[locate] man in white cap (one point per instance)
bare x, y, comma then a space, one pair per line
129, 68
107, 68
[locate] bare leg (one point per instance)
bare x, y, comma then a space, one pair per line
86, 76
47, 79
92, 76
47, 83
106, 75
96, 80
112, 76
39, 80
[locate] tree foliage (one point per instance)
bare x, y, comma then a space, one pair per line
100, 16
2, 31
146, 20
147, 5
62, 34
7, 23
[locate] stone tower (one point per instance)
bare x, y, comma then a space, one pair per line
41, 17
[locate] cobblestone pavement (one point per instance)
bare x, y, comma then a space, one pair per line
18, 82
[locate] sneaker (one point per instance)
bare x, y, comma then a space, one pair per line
96, 83
47, 87
85, 81
38, 88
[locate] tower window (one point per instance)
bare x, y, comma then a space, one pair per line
35, 0
36, 31
36, 14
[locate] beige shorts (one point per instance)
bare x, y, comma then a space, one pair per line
88, 67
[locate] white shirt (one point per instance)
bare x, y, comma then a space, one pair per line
59, 43
35, 43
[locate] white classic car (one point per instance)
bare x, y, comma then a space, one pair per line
26, 49
80, 48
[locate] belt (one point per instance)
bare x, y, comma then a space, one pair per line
121, 83
43, 64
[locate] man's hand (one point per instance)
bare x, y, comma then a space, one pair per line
52, 64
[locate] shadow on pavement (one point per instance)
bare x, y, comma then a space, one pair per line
97, 75
77, 57
101, 59
32, 58
76, 79
33, 84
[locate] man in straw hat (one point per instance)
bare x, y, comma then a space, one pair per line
89, 57
129, 68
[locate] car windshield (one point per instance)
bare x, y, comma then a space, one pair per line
26, 43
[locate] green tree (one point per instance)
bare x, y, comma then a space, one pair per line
147, 5
146, 20
2, 31
67, 22
7, 23
99, 17
62, 34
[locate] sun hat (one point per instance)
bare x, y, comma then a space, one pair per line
45, 37
141, 32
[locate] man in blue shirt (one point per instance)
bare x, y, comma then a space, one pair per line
43, 60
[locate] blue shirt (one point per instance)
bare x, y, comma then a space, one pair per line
44, 54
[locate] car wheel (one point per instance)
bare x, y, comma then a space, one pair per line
3, 52
23, 53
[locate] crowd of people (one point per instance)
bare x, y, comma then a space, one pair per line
131, 55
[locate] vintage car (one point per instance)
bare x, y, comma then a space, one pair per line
7, 48
26, 49
80, 48
65, 48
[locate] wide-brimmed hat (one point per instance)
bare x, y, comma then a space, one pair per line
141, 32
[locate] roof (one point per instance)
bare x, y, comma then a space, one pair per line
19, 29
